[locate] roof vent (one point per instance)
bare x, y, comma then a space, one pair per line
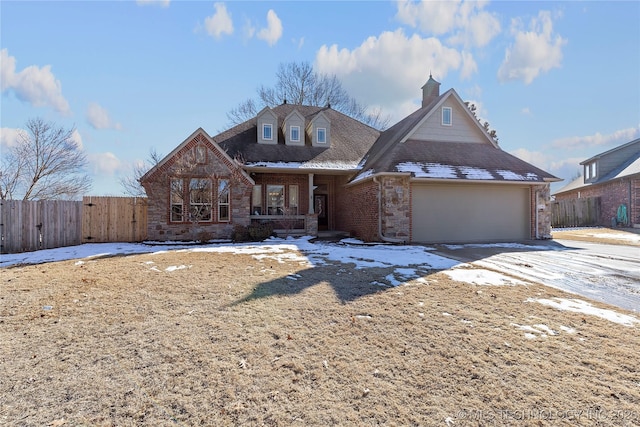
430, 91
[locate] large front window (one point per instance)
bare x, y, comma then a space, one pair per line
200, 199
223, 200
293, 200
256, 200
275, 199
177, 200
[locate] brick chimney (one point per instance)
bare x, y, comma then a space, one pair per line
430, 91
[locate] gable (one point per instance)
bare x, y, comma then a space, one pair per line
456, 124
293, 127
198, 155
319, 130
267, 126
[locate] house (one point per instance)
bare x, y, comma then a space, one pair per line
435, 176
614, 177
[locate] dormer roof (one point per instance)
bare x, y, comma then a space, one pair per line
350, 141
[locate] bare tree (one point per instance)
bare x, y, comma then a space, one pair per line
298, 83
492, 132
10, 172
131, 183
45, 163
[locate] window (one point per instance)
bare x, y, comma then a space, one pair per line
256, 200
446, 116
223, 200
177, 201
200, 199
267, 131
293, 200
590, 171
275, 199
322, 135
295, 133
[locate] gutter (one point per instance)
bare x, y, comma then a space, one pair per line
380, 235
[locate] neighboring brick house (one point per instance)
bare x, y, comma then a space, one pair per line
435, 176
614, 177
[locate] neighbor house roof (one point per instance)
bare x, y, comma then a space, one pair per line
350, 140
630, 166
397, 152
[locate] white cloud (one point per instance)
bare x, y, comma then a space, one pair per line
395, 65
98, 117
598, 140
273, 31
161, 3
219, 23
37, 86
526, 111
469, 66
465, 21
77, 138
533, 52
104, 163
9, 136
564, 168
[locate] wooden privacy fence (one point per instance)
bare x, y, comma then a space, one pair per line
114, 219
575, 212
46, 224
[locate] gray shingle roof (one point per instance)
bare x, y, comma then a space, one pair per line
445, 160
349, 142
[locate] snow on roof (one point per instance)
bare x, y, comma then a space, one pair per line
441, 171
305, 165
427, 170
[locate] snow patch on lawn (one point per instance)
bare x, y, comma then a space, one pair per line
482, 277
584, 307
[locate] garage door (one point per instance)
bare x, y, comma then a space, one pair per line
469, 213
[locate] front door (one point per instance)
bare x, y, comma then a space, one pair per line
320, 207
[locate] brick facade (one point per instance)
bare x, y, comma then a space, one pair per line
612, 194
215, 166
358, 212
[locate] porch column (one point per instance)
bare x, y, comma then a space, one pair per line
310, 193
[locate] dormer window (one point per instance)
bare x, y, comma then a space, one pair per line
446, 116
322, 135
267, 126
590, 171
295, 133
319, 130
267, 131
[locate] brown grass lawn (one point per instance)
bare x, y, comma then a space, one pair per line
236, 341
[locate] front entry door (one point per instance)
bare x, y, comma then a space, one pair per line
320, 207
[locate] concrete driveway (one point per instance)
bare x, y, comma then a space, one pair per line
601, 272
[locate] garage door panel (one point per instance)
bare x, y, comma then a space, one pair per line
469, 213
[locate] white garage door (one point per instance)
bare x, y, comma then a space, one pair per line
454, 213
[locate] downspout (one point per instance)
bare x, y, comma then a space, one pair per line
380, 235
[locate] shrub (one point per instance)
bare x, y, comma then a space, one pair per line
261, 231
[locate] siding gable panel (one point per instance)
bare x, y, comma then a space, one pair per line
462, 128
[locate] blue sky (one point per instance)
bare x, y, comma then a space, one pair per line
559, 81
